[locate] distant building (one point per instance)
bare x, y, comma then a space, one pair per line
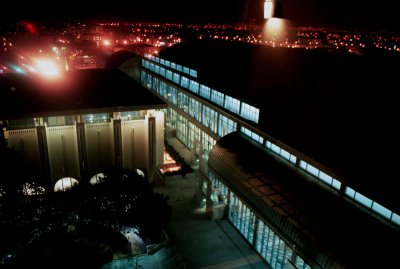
294, 148
81, 124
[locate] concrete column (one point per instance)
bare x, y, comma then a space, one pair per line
43, 153
82, 152
117, 142
152, 144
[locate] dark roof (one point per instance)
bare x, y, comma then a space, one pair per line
83, 91
324, 227
338, 108
118, 58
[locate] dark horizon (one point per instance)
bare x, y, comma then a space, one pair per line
340, 14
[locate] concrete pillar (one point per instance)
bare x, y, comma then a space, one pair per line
152, 144
43, 153
82, 153
117, 143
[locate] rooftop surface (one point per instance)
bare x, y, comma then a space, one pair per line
335, 107
317, 218
82, 91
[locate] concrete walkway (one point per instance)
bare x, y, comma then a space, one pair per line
203, 243
196, 242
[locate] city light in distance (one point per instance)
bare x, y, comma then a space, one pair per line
47, 68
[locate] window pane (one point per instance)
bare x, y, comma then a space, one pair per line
293, 158
276, 149
324, 177
285, 154
336, 184
363, 200
303, 165
396, 218
381, 210
350, 192
312, 170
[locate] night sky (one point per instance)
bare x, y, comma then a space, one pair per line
352, 14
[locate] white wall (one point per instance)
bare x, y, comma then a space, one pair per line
63, 152
99, 146
26, 142
134, 155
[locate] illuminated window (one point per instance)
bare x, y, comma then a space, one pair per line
225, 126
363, 200
252, 135
96, 118
176, 78
232, 104
152, 66
60, 121
186, 70
171, 95
217, 97
194, 86
193, 73
163, 89
205, 92
162, 71
210, 119
395, 218
157, 69
156, 85
185, 82
168, 74
183, 101
381, 210
181, 130
249, 112
195, 109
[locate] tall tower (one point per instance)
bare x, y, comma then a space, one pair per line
268, 9
272, 9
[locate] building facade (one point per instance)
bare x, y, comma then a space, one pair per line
81, 146
202, 116
82, 141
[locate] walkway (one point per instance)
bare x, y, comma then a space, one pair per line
197, 242
203, 243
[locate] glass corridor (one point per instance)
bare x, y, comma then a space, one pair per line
275, 251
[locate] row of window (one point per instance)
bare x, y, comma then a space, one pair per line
172, 65
242, 109
214, 121
320, 175
327, 179
60, 121
252, 135
372, 205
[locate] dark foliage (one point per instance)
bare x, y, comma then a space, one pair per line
123, 198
